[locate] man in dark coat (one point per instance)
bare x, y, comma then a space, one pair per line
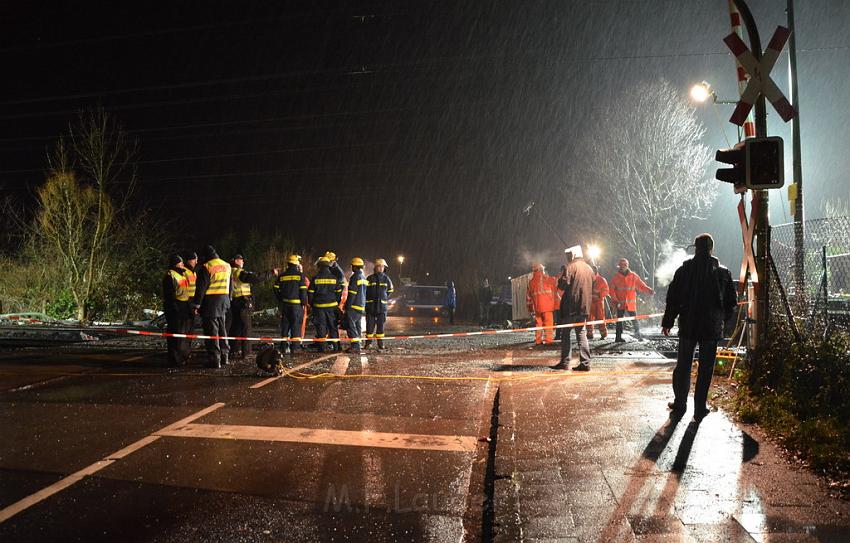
703, 296
577, 283
175, 298
212, 302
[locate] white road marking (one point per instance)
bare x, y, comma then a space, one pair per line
324, 436
62, 484
286, 371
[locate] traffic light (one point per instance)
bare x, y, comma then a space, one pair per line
757, 163
765, 163
735, 157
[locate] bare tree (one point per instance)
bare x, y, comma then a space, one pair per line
646, 170
88, 187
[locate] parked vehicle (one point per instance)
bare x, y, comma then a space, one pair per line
418, 300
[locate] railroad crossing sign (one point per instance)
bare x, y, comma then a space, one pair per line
748, 228
759, 72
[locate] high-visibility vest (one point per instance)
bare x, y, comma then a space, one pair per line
191, 279
219, 271
181, 284
240, 289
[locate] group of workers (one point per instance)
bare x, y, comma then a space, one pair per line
577, 295
220, 293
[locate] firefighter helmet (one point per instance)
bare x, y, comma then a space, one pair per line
331, 256
294, 259
357, 261
381, 262
324, 261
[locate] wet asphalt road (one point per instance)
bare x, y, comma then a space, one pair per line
229, 455
461, 439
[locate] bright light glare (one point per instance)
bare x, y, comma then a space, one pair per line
700, 92
400, 259
594, 251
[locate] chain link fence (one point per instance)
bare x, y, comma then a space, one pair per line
819, 298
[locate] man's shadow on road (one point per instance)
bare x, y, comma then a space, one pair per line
641, 475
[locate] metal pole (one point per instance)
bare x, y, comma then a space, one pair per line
761, 200
799, 225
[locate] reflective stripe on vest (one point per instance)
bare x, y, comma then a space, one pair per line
181, 291
191, 279
219, 271
240, 289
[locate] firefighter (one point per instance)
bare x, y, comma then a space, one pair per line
541, 299
242, 306
624, 287
355, 304
324, 294
212, 302
378, 291
597, 304
175, 300
339, 273
290, 289
190, 260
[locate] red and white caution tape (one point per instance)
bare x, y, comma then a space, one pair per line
385, 338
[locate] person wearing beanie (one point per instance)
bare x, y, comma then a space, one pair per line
212, 302
242, 305
703, 298
175, 299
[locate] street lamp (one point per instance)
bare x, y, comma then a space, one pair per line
700, 93
400, 262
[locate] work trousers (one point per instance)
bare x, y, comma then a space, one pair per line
178, 348
597, 313
375, 325
621, 313
325, 320
484, 313
451, 312
354, 327
240, 325
581, 338
291, 319
544, 319
217, 349
682, 373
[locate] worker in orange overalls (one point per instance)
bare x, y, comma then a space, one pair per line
542, 300
624, 287
597, 304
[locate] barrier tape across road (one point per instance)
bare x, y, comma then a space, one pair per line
385, 338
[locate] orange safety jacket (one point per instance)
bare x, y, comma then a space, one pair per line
600, 289
624, 290
542, 293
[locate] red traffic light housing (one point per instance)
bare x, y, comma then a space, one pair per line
757, 163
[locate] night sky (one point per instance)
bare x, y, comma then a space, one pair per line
379, 128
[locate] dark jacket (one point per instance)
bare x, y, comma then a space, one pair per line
325, 289
290, 287
171, 306
451, 295
378, 292
577, 284
703, 296
357, 285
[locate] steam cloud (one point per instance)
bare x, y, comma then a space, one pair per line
672, 259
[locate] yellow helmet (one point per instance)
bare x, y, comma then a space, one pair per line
324, 260
381, 262
331, 256
294, 259
357, 261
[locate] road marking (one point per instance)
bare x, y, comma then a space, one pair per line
62, 484
287, 371
324, 436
